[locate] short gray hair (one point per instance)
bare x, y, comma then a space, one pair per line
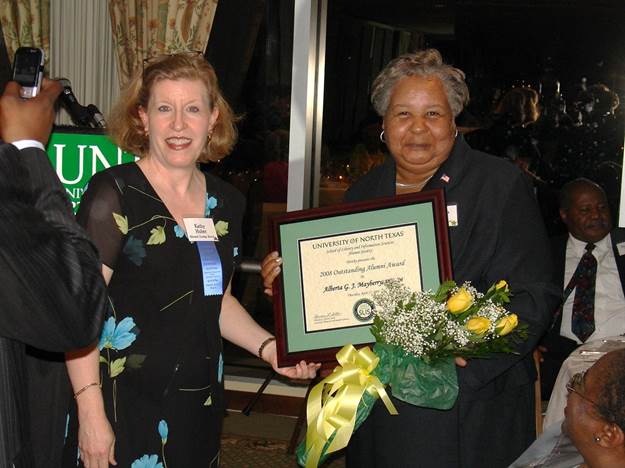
421, 63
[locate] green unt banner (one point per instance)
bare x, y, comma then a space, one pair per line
77, 156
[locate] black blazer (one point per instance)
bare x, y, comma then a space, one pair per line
500, 235
52, 298
558, 250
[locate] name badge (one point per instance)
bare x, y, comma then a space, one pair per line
452, 215
621, 248
200, 229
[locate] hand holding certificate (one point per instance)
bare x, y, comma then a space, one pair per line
335, 259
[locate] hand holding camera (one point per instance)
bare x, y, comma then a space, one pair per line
28, 119
28, 67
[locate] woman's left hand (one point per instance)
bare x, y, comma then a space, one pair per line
300, 371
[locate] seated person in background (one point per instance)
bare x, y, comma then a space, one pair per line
592, 435
590, 265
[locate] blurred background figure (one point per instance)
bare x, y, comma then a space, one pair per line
599, 124
367, 152
511, 134
554, 124
276, 150
596, 139
553, 109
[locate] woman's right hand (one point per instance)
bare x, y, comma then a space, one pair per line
269, 270
96, 440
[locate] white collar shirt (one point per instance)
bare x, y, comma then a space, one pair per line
609, 298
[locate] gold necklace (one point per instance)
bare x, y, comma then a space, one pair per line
402, 185
418, 184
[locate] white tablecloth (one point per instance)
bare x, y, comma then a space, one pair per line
579, 360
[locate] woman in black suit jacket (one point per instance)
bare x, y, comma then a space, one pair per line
495, 232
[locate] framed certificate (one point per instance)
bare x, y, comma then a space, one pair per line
336, 258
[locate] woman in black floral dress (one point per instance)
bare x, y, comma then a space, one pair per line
169, 237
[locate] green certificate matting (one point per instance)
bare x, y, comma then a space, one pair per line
291, 234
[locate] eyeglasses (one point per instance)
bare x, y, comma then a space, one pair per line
576, 385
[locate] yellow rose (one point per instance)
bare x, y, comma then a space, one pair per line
460, 301
506, 324
478, 325
501, 284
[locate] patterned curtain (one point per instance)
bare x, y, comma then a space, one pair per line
144, 28
82, 50
25, 23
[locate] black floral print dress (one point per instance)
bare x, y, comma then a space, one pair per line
160, 351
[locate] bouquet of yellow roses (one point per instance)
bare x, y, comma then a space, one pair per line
418, 335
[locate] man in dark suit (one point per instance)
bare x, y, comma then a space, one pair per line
585, 211
52, 294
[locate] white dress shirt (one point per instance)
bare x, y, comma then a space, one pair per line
21, 144
609, 299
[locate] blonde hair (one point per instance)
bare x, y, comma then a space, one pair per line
126, 128
427, 62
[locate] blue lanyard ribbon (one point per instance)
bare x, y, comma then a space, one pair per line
211, 268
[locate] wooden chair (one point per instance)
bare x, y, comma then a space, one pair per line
537, 397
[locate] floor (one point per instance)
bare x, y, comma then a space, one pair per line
260, 440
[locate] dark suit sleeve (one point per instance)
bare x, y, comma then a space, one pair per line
522, 256
52, 294
557, 345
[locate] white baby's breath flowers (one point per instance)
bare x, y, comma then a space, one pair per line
410, 321
422, 323
387, 299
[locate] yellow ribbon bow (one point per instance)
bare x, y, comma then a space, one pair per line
332, 403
